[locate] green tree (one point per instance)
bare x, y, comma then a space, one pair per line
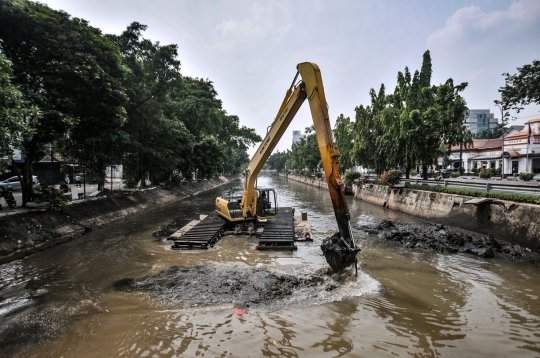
15, 115
63, 67
522, 88
408, 126
309, 154
390, 143
209, 158
196, 105
235, 141
368, 149
344, 141
294, 161
431, 115
156, 140
278, 160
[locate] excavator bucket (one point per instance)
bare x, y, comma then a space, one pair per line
338, 253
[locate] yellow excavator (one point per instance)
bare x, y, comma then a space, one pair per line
256, 203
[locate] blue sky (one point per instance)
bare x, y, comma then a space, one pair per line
250, 49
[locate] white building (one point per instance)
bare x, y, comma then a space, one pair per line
296, 136
519, 156
115, 171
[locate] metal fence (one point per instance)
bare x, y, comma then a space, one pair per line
493, 187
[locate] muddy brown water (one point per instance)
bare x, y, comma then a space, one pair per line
61, 302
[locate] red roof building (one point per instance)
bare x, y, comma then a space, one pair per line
521, 151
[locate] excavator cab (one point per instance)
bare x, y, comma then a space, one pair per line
263, 202
266, 203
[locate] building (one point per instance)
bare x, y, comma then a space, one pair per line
519, 155
513, 130
296, 136
485, 153
479, 120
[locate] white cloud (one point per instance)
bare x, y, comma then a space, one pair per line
478, 46
519, 15
268, 20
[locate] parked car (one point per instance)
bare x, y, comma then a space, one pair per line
16, 184
443, 173
430, 174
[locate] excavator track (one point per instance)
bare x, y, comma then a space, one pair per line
203, 235
278, 233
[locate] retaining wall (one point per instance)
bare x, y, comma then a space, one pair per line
510, 221
23, 232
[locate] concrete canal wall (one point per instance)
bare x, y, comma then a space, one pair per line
23, 232
506, 220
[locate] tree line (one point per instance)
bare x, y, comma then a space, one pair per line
415, 125
105, 99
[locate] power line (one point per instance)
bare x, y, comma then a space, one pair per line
527, 116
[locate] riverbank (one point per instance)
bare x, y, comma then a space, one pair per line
516, 223
24, 232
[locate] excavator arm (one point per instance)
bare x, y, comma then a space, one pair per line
310, 88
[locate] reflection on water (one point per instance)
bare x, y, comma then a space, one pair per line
415, 303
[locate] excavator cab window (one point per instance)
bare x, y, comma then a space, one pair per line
266, 203
234, 198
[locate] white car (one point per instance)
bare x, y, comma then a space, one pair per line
15, 183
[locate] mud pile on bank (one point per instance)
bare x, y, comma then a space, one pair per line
443, 238
247, 286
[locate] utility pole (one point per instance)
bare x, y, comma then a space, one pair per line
502, 108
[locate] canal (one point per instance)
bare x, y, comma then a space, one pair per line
61, 302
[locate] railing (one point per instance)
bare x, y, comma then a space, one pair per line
531, 190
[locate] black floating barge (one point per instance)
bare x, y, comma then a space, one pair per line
199, 234
278, 233
205, 231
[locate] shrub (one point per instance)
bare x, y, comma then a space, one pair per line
497, 171
391, 177
413, 173
48, 194
474, 170
485, 173
351, 176
319, 174
526, 176
131, 184
454, 174
172, 181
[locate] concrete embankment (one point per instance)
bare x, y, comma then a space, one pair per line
506, 220
24, 232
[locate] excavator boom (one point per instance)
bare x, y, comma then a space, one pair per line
340, 249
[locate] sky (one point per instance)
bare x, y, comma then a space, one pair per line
250, 48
